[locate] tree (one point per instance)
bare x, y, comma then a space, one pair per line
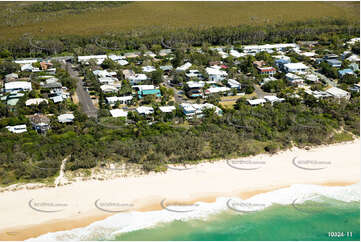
7, 67
109, 64
179, 58
157, 77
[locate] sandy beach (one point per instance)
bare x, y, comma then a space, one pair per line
30, 213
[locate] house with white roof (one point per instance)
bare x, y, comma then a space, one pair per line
267, 47
294, 79
235, 53
11, 77
213, 90
318, 94
29, 67
255, 102
295, 67
116, 113
338, 93
108, 88
122, 62
35, 101
104, 73
164, 52
353, 58
57, 99
184, 67
66, 118
17, 86
137, 78
148, 69
194, 74
143, 87
116, 57
216, 74
150, 54
231, 83
312, 77
122, 100
196, 110
26, 61
17, 129
167, 109
273, 99
108, 80
98, 58
353, 41
144, 110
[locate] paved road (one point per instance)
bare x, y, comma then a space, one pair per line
323, 78
260, 93
84, 98
177, 98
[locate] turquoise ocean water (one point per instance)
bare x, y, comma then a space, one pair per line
311, 221
300, 212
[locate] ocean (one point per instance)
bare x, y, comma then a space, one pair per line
300, 212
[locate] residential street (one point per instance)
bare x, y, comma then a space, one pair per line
84, 99
323, 78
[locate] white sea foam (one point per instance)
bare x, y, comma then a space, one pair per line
131, 221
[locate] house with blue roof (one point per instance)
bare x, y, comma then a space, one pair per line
143, 93
345, 72
334, 63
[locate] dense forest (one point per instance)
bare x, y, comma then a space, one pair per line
322, 30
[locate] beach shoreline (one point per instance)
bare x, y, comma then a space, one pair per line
193, 185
